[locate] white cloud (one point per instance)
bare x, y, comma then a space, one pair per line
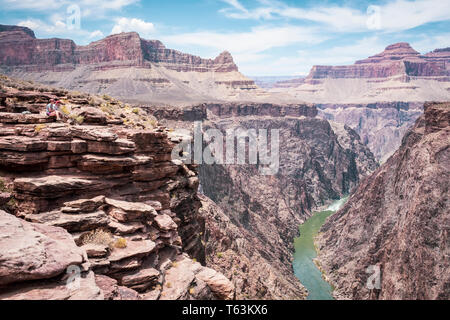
302, 62
394, 16
96, 34
257, 40
425, 43
145, 29
60, 29
40, 26
45, 5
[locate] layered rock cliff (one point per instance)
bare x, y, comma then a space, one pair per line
122, 65
398, 59
96, 198
397, 221
397, 74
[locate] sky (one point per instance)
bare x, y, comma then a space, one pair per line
265, 37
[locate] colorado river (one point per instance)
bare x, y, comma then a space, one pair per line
304, 268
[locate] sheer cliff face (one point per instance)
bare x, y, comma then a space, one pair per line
245, 258
124, 66
398, 220
100, 194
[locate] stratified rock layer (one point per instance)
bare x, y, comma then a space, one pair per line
110, 188
124, 66
398, 220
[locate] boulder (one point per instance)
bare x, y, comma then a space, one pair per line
83, 205
133, 249
33, 251
165, 223
130, 210
94, 250
87, 290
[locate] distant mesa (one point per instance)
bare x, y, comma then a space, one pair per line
122, 65
21, 48
398, 59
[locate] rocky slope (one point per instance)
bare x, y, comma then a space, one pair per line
97, 194
124, 66
398, 220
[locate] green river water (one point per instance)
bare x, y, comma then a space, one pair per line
304, 268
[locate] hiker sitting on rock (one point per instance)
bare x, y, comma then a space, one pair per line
52, 109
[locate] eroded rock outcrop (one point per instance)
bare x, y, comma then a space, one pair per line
397, 221
102, 195
398, 59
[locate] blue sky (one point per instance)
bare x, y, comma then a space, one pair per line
265, 37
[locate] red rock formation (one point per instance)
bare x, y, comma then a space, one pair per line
123, 66
20, 48
398, 220
107, 186
398, 59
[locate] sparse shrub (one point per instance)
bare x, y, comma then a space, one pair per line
91, 101
98, 236
174, 264
12, 203
65, 110
120, 243
2, 185
107, 108
106, 97
168, 285
79, 119
135, 110
38, 128
191, 291
219, 255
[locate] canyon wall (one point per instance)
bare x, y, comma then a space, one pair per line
319, 161
396, 221
317, 164
379, 97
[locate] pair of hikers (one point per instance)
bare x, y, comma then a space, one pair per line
52, 109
